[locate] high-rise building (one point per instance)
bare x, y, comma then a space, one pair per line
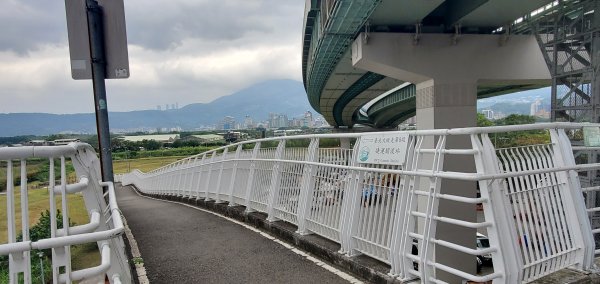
227, 123
535, 107
308, 119
158, 108
248, 122
488, 113
277, 120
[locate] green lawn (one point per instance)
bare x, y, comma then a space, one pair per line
142, 164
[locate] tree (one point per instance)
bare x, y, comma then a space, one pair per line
519, 138
516, 119
482, 121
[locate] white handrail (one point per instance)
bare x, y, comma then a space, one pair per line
378, 210
104, 229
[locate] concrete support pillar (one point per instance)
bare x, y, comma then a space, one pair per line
450, 105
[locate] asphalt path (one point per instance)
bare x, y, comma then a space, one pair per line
180, 244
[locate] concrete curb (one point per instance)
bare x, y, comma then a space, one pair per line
366, 268
133, 252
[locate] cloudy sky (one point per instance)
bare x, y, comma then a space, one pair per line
180, 51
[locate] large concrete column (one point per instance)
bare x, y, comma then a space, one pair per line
447, 74
450, 105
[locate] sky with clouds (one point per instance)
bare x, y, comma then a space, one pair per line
180, 51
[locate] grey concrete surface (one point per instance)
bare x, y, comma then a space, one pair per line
179, 244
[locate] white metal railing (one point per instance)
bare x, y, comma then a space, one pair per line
105, 226
533, 207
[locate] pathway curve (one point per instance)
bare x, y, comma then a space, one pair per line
180, 244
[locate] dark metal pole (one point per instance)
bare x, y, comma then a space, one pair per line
94, 14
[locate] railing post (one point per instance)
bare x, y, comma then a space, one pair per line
200, 169
208, 174
398, 244
275, 181
501, 233
191, 182
25, 221
249, 187
224, 156
180, 177
238, 152
186, 176
307, 186
351, 206
172, 179
578, 215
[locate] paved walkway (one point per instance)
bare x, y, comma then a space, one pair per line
180, 244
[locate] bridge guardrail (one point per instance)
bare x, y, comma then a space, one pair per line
105, 226
533, 207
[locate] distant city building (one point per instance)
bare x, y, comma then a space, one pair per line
227, 123
66, 141
158, 108
248, 122
207, 138
488, 113
535, 107
234, 136
163, 138
308, 119
39, 143
277, 120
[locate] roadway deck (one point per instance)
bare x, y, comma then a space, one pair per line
180, 244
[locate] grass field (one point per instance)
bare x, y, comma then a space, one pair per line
86, 255
142, 164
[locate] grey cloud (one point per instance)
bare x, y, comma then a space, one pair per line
27, 24
156, 24
162, 25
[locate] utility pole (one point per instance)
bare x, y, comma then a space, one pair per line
96, 36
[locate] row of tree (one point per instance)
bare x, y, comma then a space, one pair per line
514, 138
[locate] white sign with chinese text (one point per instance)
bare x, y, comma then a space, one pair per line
383, 148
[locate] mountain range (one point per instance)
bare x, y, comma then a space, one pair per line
273, 96
277, 96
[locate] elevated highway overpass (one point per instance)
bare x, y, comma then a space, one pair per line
339, 86
434, 59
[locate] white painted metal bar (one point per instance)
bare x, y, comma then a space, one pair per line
106, 229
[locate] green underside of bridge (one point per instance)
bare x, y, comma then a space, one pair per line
344, 24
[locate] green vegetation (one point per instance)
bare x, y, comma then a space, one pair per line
83, 256
38, 172
515, 138
144, 164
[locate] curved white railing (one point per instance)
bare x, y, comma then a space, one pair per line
532, 205
105, 227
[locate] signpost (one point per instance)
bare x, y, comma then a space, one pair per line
98, 49
383, 148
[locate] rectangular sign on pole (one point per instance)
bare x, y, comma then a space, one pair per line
115, 39
383, 148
